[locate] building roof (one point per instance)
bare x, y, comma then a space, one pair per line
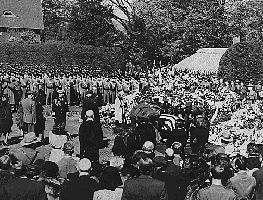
204, 60
24, 14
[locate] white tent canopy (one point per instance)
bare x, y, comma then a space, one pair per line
204, 60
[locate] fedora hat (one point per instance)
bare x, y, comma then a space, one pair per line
30, 138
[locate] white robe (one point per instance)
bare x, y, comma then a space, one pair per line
118, 110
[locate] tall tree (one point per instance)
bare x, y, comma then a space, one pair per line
91, 23
56, 15
185, 26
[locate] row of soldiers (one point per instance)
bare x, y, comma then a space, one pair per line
75, 87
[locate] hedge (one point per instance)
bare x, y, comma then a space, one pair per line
243, 61
57, 53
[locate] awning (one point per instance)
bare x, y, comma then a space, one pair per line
204, 60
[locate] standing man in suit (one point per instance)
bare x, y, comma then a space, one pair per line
29, 112
90, 137
144, 187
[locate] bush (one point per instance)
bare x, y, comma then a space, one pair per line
57, 53
242, 61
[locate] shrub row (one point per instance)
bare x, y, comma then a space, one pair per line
58, 53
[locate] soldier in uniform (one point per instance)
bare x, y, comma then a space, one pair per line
119, 86
243, 90
237, 86
18, 92
126, 87
106, 93
83, 87
66, 88
49, 83
24, 85
251, 94
112, 91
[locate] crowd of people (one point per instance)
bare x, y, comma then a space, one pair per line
212, 151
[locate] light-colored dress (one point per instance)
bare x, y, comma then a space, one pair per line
108, 194
57, 143
118, 110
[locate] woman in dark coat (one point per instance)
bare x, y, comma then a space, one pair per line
6, 120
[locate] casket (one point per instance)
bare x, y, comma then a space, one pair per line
145, 111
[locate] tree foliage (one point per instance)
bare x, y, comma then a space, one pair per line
242, 61
245, 18
56, 17
91, 24
183, 27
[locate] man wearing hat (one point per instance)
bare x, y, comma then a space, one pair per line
28, 154
29, 112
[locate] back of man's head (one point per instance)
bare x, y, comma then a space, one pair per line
241, 163
145, 165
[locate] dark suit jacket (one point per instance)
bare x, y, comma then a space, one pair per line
172, 184
80, 188
21, 189
144, 188
89, 134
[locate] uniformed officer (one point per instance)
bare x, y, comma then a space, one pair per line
49, 84
106, 93
113, 86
